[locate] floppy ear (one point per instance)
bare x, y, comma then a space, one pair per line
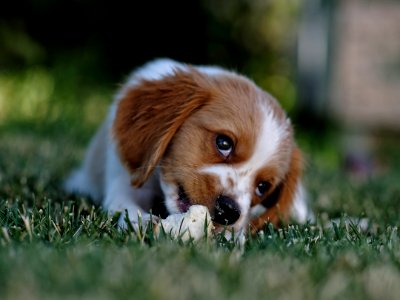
150, 113
280, 201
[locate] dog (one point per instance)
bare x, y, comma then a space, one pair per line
195, 135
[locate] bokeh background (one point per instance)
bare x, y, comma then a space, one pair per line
333, 65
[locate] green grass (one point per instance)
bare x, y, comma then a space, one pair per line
57, 246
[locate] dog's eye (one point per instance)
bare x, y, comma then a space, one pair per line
224, 145
262, 188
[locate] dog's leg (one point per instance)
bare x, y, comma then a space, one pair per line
122, 197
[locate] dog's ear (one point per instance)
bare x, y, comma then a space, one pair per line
150, 113
280, 201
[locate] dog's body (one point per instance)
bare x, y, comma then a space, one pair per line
195, 135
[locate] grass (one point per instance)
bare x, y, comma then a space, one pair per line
53, 245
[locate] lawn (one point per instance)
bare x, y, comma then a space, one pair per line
57, 246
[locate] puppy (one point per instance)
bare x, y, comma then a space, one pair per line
195, 135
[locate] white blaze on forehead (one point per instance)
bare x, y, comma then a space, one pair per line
271, 134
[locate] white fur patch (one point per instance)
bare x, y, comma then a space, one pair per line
79, 182
157, 69
171, 195
300, 212
271, 135
256, 211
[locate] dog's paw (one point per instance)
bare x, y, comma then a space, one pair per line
140, 223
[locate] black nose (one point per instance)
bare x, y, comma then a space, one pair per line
226, 211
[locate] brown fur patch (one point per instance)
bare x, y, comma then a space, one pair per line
280, 212
268, 174
150, 114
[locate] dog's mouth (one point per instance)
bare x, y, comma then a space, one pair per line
183, 200
184, 204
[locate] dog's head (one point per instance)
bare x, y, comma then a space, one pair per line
217, 139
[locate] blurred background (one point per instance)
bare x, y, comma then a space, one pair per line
333, 65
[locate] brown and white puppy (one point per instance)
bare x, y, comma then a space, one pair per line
195, 135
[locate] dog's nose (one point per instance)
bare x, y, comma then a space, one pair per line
227, 211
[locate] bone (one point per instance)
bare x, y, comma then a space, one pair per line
194, 224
